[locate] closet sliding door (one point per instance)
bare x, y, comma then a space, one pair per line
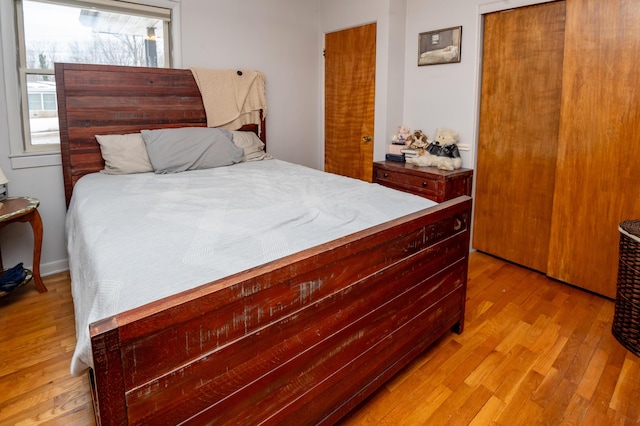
559, 141
598, 164
519, 122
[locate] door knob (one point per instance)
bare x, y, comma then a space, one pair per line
366, 138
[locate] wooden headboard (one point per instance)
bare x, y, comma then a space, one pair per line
107, 99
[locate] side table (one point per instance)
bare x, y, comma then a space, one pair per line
25, 209
429, 182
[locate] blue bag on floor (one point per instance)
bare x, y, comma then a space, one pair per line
13, 277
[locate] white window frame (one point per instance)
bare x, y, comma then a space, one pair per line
14, 77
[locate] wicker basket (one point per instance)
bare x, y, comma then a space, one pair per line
626, 320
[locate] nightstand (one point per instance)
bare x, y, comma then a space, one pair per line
25, 209
429, 182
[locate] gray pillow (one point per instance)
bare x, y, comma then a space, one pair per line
190, 148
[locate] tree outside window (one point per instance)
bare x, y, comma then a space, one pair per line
55, 32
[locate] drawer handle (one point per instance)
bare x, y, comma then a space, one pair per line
386, 175
424, 184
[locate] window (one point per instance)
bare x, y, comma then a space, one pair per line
79, 31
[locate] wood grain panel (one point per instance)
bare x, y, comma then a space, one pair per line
429, 182
350, 72
519, 118
270, 369
597, 173
147, 350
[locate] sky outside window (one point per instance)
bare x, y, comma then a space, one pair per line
58, 33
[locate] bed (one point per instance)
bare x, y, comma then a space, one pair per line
439, 56
301, 338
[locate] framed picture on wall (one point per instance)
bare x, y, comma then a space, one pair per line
439, 47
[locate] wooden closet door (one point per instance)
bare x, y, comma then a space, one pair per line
519, 119
350, 74
599, 143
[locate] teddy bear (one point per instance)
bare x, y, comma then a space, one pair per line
442, 153
418, 141
401, 136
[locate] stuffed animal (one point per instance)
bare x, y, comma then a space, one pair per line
401, 137
418, 141
442, 153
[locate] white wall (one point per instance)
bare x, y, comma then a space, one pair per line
443, 95
279, 37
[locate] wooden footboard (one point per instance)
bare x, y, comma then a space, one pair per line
302, 339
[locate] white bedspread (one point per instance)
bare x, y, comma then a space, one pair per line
137, 238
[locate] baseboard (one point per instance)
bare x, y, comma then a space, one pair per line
54, 267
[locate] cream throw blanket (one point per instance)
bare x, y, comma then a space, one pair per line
231, 100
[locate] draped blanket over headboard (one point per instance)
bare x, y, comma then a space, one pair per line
231, 98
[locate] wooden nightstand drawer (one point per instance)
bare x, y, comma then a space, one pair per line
429, 182
411, 183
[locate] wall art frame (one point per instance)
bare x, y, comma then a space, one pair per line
440, 47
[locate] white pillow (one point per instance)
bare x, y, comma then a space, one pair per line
124, 154
251, 144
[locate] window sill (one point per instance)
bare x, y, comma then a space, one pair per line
26, 161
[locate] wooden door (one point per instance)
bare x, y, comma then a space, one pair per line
599, 143
350, 70
519, 119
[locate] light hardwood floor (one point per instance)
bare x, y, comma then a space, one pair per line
534, 352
